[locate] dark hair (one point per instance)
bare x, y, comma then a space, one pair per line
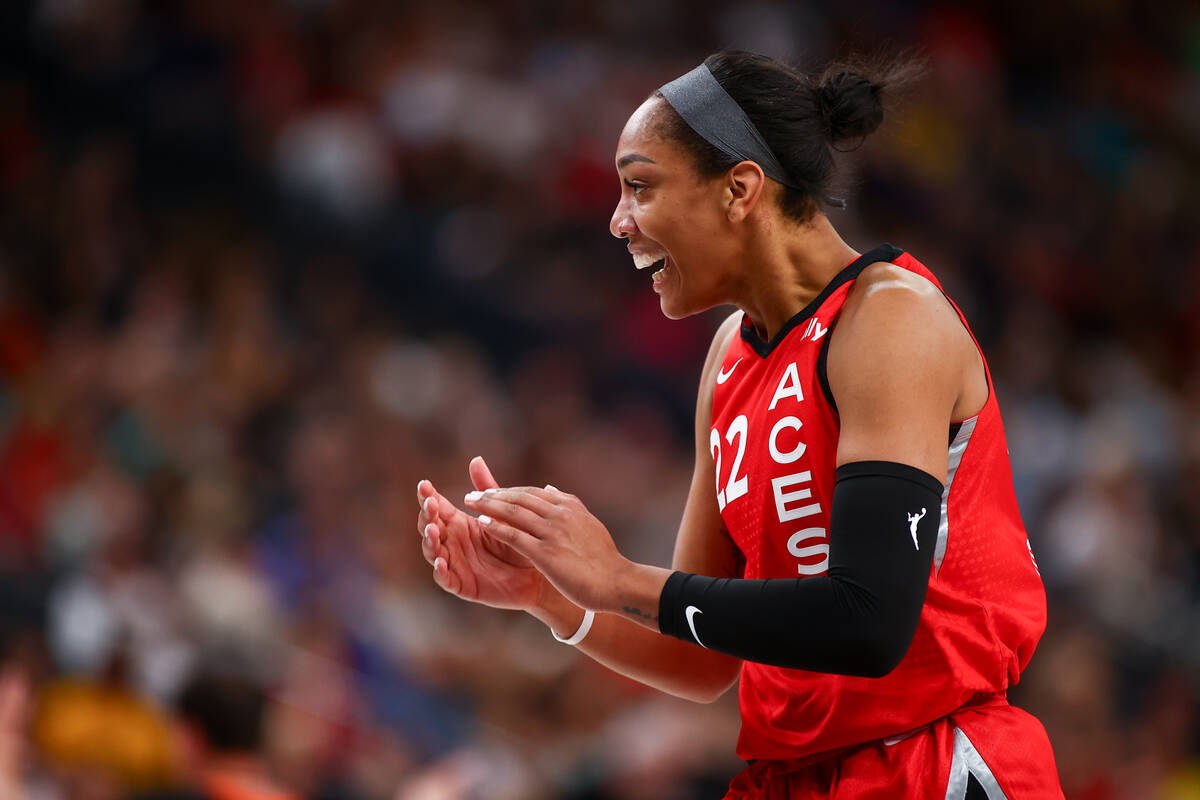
802, 118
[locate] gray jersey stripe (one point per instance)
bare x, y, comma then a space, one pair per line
967, 762
957, 448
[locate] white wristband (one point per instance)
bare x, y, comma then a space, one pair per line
584, 627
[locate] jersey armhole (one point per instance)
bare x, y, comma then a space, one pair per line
823, 354
822, 374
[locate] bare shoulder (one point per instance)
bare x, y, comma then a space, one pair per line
886, 285
892, 307
899, 359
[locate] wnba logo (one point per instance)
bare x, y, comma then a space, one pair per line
913, 519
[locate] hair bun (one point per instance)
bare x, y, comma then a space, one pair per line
850, 103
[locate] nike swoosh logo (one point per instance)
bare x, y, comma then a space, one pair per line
723, 376
690, 612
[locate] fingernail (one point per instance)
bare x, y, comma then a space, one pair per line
473, 496
484, 519
430, 529
489, 491
552, 487
428, 505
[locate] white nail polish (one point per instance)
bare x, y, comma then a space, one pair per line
473, 496
484, 519
489, 491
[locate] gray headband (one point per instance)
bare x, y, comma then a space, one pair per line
709, 110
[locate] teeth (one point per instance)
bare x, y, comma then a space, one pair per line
658, 276
643, 260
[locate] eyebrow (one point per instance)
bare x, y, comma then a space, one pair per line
625, 161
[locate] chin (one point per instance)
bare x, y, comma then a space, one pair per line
669, 314
672, 308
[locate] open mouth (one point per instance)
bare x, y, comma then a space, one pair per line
660, 268
659, 263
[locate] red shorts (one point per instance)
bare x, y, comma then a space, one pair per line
997, 746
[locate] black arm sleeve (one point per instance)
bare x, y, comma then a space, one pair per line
859, 618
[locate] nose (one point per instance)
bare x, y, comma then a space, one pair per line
622, 225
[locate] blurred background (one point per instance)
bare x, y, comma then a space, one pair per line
263, 265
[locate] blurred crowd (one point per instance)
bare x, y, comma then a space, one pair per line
264, 265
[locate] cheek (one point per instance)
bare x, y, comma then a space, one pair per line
689, 224
668, 221
704, 246
653, 215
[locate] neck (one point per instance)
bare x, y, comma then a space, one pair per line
788, 266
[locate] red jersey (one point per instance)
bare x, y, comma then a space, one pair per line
774, 443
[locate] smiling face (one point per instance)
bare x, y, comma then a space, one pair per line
676, 220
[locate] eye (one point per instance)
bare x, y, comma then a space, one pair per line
636, 187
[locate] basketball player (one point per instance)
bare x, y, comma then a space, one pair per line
851, 546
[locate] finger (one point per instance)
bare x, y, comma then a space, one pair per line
436, 536
423, 517
446, 579
524, 496
440, 510
427, 499
431, 543
481, 474
552, 494
515, 514
520, 541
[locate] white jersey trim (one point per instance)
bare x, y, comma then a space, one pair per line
957, 448
968, 763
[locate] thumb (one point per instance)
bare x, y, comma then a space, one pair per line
481, 476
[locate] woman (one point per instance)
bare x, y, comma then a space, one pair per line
851, 546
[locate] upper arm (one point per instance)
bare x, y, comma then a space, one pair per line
703, 546
897, 365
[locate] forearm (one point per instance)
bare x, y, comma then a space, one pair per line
641, 653
820, 624
860, 618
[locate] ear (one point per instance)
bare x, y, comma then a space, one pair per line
744, 183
